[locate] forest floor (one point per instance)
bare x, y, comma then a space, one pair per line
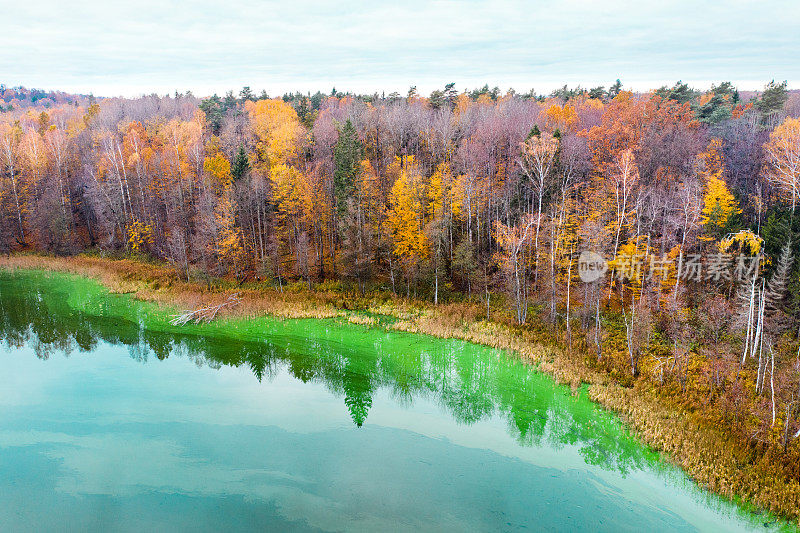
709, 454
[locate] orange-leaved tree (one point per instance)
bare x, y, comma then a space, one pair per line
783, 159
230, 245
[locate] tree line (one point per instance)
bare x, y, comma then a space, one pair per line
473, 195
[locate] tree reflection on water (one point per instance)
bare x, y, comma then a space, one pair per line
470, 382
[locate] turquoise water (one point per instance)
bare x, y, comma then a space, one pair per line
112, 420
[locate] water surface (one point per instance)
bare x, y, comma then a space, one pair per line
110, 419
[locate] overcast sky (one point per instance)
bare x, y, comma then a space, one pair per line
212, 46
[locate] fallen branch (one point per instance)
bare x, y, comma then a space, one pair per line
205, 314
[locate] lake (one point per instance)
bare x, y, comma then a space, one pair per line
113, 420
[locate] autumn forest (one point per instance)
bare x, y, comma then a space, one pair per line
473, 197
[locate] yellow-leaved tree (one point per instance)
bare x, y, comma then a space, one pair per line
219, 168
719, 205
558, 117
405, 218
277, 129
140, 236
293, 196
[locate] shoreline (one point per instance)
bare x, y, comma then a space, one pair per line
715, 461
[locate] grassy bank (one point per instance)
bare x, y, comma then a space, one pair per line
711, 457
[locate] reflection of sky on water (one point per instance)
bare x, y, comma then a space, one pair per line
299, 424
106, 441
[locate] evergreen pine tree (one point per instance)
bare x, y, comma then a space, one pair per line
347, 156
615, 89
246, 94
241, 164
773, 98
